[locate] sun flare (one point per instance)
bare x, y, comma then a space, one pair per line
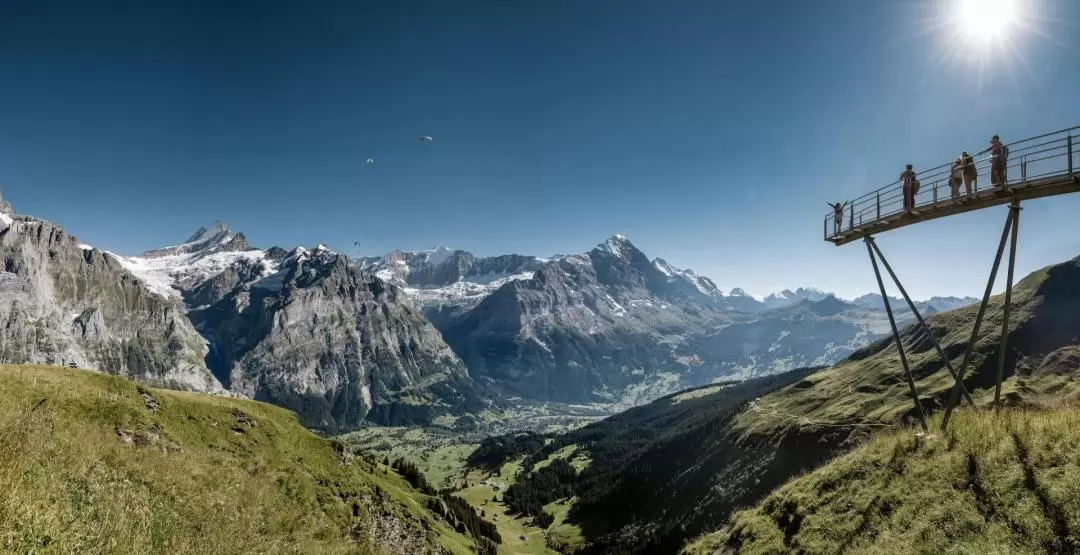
987, 20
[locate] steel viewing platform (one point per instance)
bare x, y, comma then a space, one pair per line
1038, 167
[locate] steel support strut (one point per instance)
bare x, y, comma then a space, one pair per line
954, 395
915, 311
1014, 211
896, 336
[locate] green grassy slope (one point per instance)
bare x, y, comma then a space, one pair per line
867, 395
91, 463
868, 390
989, 485
653, 476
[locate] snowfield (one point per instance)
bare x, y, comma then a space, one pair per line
163, 275
472, 288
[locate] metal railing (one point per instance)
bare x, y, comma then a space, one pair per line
1047, 155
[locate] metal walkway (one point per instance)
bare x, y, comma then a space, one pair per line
1038, 167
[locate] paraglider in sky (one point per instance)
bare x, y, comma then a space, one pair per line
426, 139
371, 161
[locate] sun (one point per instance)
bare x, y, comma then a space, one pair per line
987, 20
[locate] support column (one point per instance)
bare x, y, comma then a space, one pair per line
896, 336
915, 311
1014, 212
954, 395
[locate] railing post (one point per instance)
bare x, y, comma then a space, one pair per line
1023, 169
1070, 154
878, 205
935, 192
851, 217
826, 226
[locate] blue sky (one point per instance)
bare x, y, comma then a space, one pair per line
709, 133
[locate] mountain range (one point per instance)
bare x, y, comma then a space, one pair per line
406, 337
611, 325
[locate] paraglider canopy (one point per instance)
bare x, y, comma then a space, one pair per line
426, 139
370, 161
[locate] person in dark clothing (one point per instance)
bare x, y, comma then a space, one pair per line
971, 174
838, 215
998, 152
910, 187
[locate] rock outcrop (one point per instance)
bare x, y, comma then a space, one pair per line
64, 303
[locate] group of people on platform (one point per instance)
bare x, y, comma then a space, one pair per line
963, 172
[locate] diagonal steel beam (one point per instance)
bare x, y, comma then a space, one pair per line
896, 336
954, 395
1014, 210
915, 311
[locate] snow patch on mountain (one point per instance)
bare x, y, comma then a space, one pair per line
167, 275
474, 288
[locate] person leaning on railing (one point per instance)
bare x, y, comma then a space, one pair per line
956, 177
998, 154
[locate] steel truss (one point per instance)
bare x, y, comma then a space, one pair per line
1009, 234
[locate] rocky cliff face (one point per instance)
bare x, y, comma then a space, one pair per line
330, 341
62, 303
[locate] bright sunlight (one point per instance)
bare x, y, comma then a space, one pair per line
987, 20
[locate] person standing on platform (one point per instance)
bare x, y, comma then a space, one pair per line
971, 173
998, 153
956, 177
910, 186
838, 216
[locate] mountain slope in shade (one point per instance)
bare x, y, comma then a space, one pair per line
334, 343
62, 302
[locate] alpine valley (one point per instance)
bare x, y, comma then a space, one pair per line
409, 337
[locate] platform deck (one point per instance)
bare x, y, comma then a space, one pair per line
1039, 167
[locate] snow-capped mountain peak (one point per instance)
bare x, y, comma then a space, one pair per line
617, 245
206, 253
205, 241
738, 292
788, 297
438, 255
202, 234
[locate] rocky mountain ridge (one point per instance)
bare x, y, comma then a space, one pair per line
443, 277
305, 329
62, 302
609, 323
